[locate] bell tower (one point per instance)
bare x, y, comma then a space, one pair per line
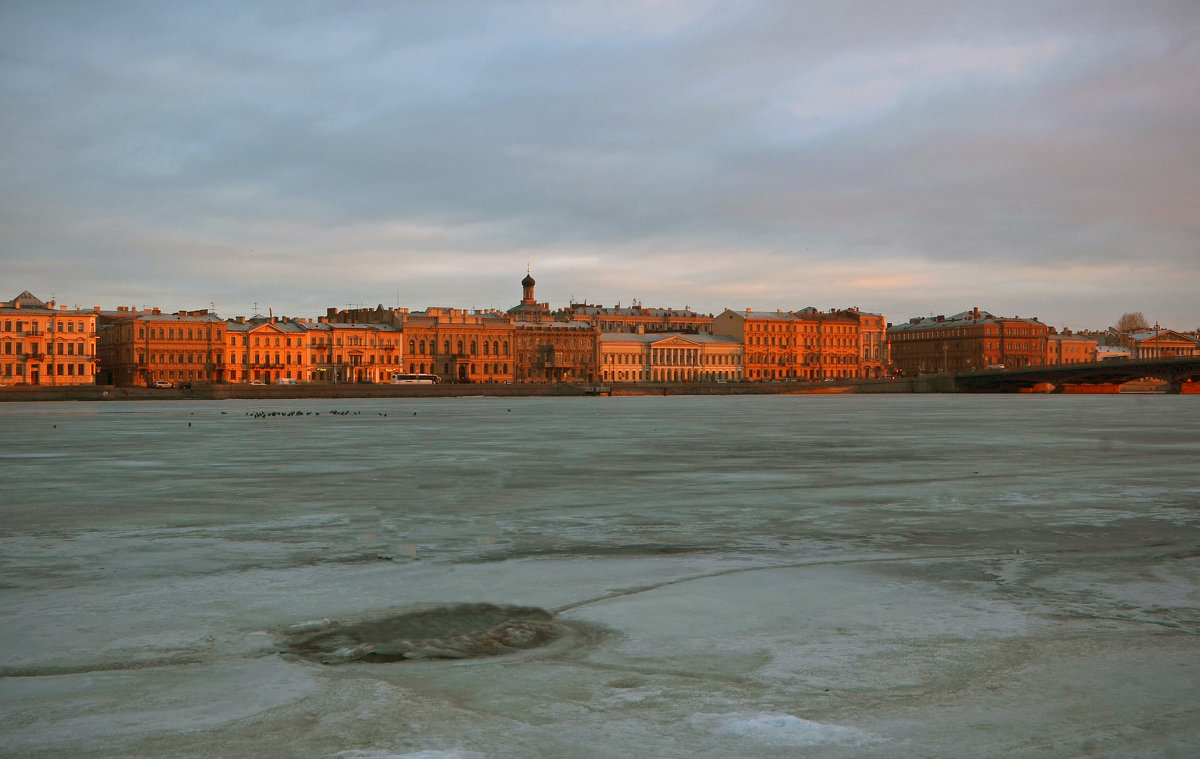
527, 284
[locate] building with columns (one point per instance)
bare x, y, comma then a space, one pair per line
1160, 343
669, 357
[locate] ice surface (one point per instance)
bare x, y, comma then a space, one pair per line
786, 730
768, 577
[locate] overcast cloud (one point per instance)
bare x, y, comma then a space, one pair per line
909, 158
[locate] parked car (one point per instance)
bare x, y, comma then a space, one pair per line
164, 384
287, 381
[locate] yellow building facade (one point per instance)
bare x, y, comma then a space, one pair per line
41, 344
669, 357
279, 349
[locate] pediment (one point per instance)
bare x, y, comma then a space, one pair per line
1168, 336
675, 342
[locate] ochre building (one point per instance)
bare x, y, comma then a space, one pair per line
1068, 348
456, 344
808, 344
44, 345
144, 347
274, 349
637, 318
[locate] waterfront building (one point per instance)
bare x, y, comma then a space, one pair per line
669, 357
148, 346
874, 357
966, 342
840, 344
1067, 347
638, 318
808, 344
41, 344
771, 341
554, 351
272, 349
1160, 343
456, 344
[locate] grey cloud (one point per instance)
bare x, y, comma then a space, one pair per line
792, 135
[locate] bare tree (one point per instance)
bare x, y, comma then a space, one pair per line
1134, 322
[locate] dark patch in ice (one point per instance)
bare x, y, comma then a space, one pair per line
445, 631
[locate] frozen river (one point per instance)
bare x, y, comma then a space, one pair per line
783, 576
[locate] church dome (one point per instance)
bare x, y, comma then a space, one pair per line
528, 281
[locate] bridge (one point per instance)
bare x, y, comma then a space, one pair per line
1113, 371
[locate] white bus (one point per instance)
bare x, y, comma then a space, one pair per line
414, 379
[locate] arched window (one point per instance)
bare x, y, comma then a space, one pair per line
506, 347
474, 348
496, 347
485, 347
422, 353
460, 347
412, 346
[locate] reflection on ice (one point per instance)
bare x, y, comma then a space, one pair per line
370, 754
786, 730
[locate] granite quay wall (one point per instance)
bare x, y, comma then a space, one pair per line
446, 390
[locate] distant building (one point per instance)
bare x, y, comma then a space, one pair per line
144, 347
1068, 348
771, 341
270, 349
555, 351
970, 341
44, 345
1112, 352
1161, 343
456, 344
669, 357
637, 318
808, 344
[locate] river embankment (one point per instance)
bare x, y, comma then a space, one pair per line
447, 390
932, 383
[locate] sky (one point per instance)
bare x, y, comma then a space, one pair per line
907, 158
